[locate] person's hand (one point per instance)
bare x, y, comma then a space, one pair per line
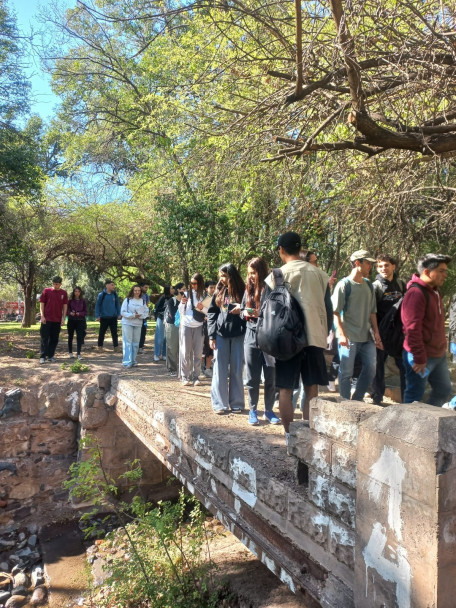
236, 310
199, 306
62, 322
378, 342
212, 344
43, 320
343, 340
119, 317
419, 368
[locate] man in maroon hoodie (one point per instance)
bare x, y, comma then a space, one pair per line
425, 343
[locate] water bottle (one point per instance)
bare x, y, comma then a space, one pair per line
424, 373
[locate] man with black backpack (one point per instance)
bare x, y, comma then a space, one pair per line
308, 284
107, 312
355, 319
388, 290
425, 343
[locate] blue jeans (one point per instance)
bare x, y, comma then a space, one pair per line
368, 356
131, 335
159, 341
439, 379
228, 392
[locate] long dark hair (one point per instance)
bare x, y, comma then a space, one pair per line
131, 292
167, 291
236, 285
73, 297
198, 277
255, 285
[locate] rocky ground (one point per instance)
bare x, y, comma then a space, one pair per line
20, 368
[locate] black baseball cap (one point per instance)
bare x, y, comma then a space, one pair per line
289, 240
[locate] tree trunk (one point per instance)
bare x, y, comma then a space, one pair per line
29, 298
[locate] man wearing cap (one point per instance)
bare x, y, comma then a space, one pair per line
355, 318
53, 308
308, 284
425, 344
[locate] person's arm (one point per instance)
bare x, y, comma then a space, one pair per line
97, 308
125, 312
378, 340
329, 309
412, 314
64, 311
212, 316
42, 317
117, 306
341, 337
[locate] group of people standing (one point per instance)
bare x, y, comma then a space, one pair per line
215, 324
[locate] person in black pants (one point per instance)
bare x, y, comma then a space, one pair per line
107, 312
77, 311
53, 307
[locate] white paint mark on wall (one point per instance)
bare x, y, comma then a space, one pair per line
397, 571
389, 470
317, 490
237, 505
74, 407
319, 455
340, 535
269, 563
246, 492
286, 578
335, 428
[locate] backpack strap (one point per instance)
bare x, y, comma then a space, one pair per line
348, 288
423, 290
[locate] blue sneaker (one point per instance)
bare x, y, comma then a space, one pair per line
271, 417
253, 418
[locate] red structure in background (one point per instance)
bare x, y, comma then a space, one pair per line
10, 310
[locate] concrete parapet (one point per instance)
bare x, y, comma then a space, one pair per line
406, 509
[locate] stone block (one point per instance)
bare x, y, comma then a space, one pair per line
310, 447
308, 518
341, 502
380, 456
104, 381
318, 489
341, 542
343, 464
273, 494
88, 396
110, 398
340, 421
93, 418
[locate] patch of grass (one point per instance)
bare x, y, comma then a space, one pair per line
77, 367
30, 354
15, 328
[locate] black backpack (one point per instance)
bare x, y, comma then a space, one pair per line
391, 329
281, 330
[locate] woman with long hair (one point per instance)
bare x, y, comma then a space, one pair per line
133, 312
226, 329
159, 311
192, 314
255, 360
77, 312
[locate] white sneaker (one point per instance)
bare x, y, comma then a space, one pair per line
186, 383
52, 359
156, 358
208, 373
140, 351
196, 383
331, 386
42, 360
79, 357
70, 356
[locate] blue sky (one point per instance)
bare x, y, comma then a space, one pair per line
43, 101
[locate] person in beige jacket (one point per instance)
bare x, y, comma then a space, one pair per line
308, 284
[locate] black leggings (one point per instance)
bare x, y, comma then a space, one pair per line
80, 326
